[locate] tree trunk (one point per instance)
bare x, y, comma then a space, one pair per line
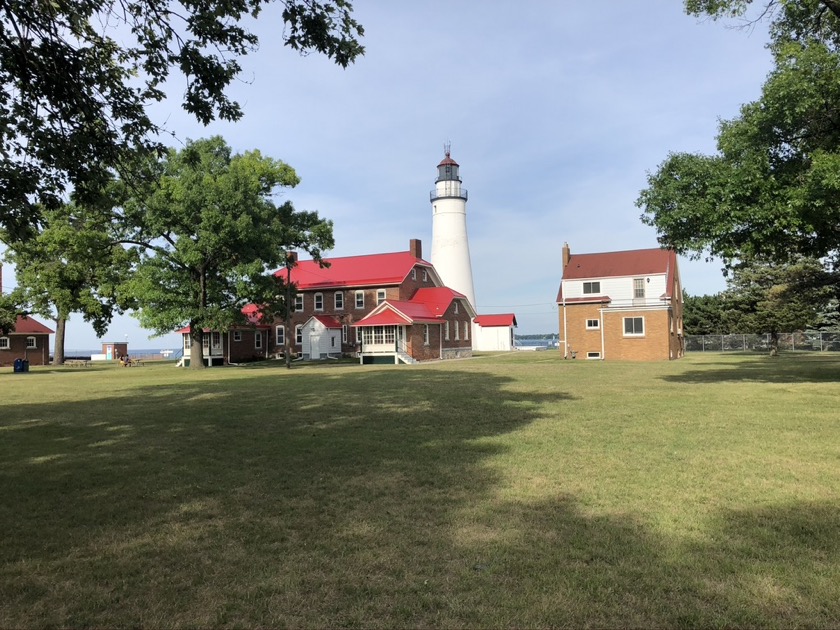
196, 347
60, 326
774, 344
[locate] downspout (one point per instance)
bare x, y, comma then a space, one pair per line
565, 331
603, 350
440, 341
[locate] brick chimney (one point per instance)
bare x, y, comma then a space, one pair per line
415, 248
567, 255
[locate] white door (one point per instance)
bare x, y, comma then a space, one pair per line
314, 344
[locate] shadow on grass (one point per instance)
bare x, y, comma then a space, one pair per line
786, 368
360, 498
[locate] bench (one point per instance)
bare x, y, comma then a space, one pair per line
77, 363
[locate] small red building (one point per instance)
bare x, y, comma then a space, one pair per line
29, 341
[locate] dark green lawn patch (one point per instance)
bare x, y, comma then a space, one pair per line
518, 490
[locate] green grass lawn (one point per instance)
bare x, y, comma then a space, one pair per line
518, 490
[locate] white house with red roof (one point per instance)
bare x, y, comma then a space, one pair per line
494, 333
623, 305
435, 323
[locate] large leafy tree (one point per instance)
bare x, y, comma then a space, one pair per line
704, 314
78, 77
75, 264
210, 230
772, 190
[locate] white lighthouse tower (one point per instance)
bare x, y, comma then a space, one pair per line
450, 248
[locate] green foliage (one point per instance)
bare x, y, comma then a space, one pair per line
78, 77
704, 314
210, 232
74, 264
8, 313
772, 191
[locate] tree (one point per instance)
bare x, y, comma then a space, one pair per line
772, 191
78, 77
703, 314
209, 231
772, 298
8, 314
73, 265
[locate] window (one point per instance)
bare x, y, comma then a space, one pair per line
638, 288
299, 302
634, 326
4, 343
217, 339
31, 342
360, 299
280, 336
332, 342
456, 307
380, 296
457, 332
591, 287
319, 301
466, 331
414, 273
425, 334
187, 343
237, 335
344, 333
446, 331
299, 334
205, 341
339, 301
258, 339
425, 275
592, 324
593, 355
358, 335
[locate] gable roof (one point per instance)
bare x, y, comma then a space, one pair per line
25, 325
426, 306
635, 262
325, 320
502, 319
371, 270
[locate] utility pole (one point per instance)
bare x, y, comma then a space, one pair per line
291, 260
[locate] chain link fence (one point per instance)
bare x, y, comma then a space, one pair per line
791, 342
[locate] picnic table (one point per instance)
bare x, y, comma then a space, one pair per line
77, 363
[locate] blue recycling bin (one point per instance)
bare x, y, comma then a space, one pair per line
21, 365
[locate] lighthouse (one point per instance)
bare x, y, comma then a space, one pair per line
450, 247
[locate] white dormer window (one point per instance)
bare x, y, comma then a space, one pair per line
591, 288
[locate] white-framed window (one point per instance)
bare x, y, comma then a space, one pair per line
638, 288
237, 335
358, 335
593, 355
319, 301
425, 334
187, 342
590, 288
446, 331
466, 331
299, 302
457, 331
31, 342
5, 344
425, 275
456, 307
339, 300
217, 339
360, 299
414, 273
280, 335
593, 324
205, 341
344, 330
258, 339
299, 334
332, 342
634, 326
380, 296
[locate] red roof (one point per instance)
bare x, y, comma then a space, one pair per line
327, 321
251, 313
636, 262
447, 160
25, 325
355, 271
503, 319
426, 306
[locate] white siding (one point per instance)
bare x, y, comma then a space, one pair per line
492, 338
619, 290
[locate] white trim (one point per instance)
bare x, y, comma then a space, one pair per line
315, 299
5, 343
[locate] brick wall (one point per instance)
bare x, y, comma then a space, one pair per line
17, 349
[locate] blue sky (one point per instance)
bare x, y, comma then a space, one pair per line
555, 112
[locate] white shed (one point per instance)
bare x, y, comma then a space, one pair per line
494, 333
321, 337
